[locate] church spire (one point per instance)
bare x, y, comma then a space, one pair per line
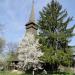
32, 15
31, 25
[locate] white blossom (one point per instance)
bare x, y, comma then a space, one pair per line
28, 50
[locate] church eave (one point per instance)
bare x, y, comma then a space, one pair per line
30, 23
31, 27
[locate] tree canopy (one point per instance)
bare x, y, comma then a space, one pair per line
54, 35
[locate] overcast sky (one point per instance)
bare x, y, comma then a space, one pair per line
14, 14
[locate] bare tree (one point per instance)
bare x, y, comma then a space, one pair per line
2, 40
12, 47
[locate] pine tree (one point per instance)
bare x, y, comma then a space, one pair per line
55, 35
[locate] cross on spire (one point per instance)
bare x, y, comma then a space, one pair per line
32, 15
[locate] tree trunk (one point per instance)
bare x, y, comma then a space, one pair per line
33, 72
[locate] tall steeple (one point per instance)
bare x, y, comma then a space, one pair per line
32, 15
31, 26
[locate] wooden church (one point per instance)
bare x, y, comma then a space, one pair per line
27, 51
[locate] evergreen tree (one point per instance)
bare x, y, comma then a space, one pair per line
55, 35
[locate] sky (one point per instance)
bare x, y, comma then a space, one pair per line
14, 14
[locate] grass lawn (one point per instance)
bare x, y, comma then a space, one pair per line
11, 73
8, 73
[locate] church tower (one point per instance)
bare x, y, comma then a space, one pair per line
28, 50
31, 26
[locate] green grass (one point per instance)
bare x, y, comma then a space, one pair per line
10, 73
